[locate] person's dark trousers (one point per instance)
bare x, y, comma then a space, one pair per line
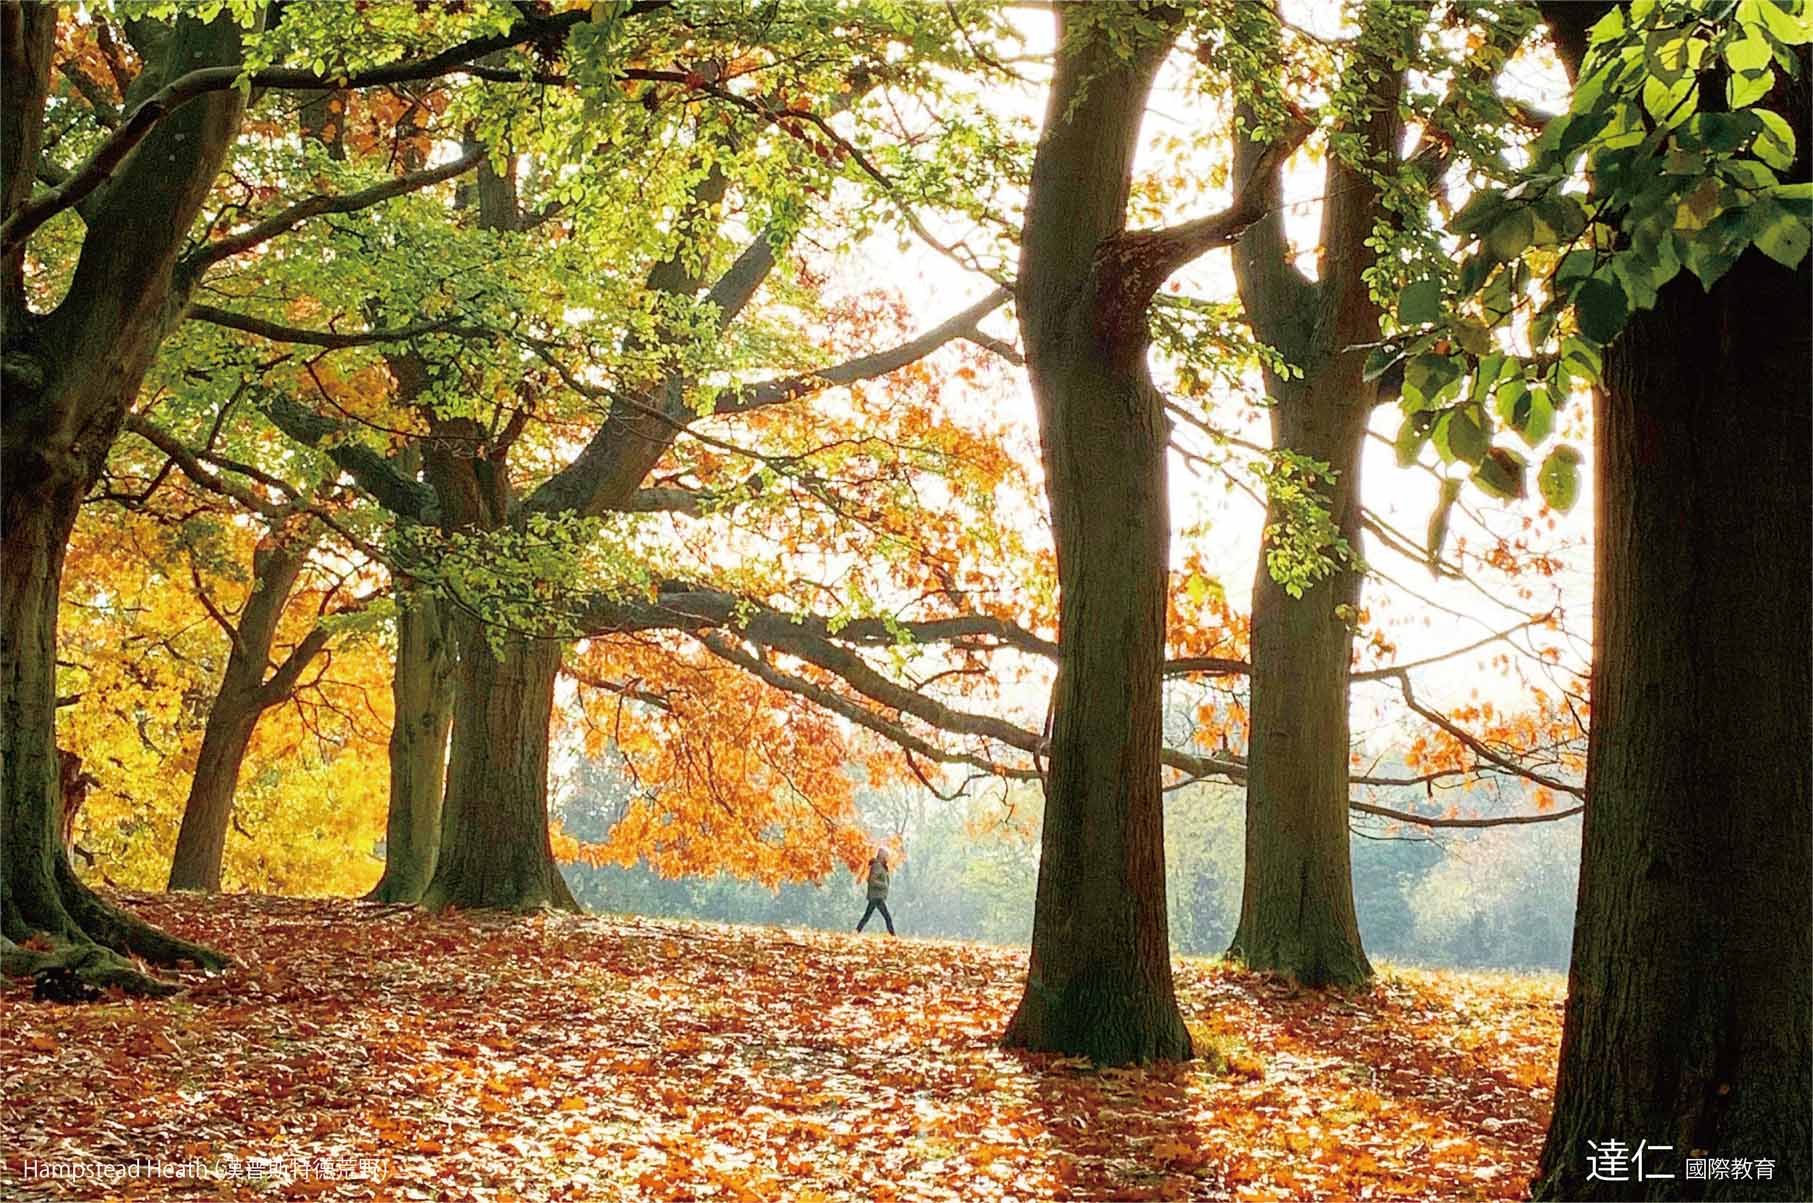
876, 904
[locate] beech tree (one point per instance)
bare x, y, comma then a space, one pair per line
72, 367
1099, 981
1297, 910
1690, 1013
1677, 287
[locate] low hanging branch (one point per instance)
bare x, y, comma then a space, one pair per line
730, 627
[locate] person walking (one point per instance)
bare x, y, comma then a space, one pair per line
878, 891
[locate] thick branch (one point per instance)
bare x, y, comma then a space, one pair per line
187, 87
727, 649
331, 339
1131, 266
377, 475
282, 682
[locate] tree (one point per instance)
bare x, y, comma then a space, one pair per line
627, 386
73, 368
1689, 1015
1296, 912
1688, 1010
70, 373
245, 691
1099, 980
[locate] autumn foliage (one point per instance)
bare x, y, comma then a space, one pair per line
612, 1057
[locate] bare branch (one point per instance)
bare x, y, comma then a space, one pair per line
866, 367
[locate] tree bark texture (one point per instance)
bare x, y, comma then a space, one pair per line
1689, 1001
1099, 980
69, 376
1297, 911
422, 701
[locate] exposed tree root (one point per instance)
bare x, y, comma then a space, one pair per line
90, 937
92, 964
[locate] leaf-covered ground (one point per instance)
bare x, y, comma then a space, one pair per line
376, 1052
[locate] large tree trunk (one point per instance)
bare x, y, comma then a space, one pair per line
1296, 910
69, 377
1688, 994
1689, 1005
39, 892
495, 849
422, 699
1099, 980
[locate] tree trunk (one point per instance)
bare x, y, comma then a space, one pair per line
1688, 994
422, 696
1296, 908
201, 842
1099, 980
244, 696
1689, 1014
69, 376
36, 534
39, 893
495, 850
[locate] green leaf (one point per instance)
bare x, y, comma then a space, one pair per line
1708, 256
1559, 478
1579, 354
1775, 144
1480, 211
1745, 88
1607, 27
1420, 303
1501, 474
1600, 308
1411, 437
1528, 411
1670, 104
1511, 234
1748, 54
1460, 436
1784, 237
1575, 265
1559, 218
1473, 337
1473, 273
1379, 361
1426, 376
1541, 421
1793, 29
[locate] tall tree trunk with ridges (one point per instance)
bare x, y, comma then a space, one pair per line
1099, 980
1690, 992
422, 702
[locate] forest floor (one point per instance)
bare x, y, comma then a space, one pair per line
362, 1051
